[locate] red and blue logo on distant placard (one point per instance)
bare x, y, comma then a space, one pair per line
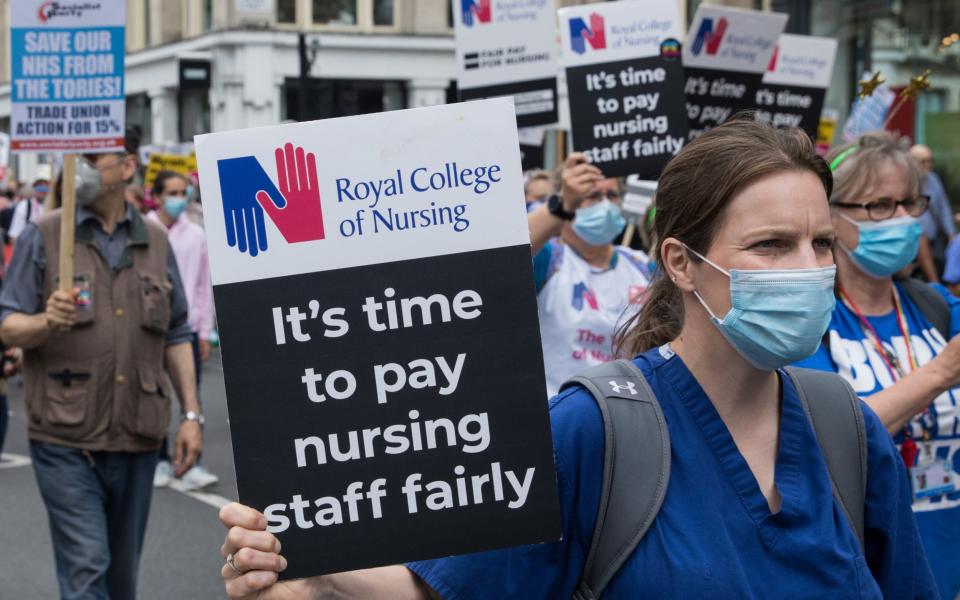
709, 38
773, 59
581, 34
247, 192
472, 11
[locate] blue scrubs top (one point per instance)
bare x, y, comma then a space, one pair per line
855, 358
714, 536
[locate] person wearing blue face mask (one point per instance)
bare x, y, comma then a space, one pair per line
745, 287
896, 340
188, 242
584, 282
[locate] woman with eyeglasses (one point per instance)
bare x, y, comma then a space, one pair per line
896, 340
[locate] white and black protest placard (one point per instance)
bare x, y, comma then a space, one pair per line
725, 56
381, 348
624, 84
508, 48
67, 71
796, 82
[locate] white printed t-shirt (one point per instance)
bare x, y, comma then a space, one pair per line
581, 306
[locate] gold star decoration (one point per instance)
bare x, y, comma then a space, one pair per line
868, 86
917, 84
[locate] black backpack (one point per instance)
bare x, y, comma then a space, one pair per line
636, 465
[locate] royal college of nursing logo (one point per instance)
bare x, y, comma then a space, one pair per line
472, 11
293, 205
581, 34
708, 37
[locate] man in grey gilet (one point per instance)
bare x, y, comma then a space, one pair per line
97, 396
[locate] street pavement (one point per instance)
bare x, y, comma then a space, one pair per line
181, 558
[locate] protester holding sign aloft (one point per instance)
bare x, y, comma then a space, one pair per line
584, 282
750, 505
888, 337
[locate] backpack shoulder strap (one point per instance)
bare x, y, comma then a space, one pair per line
931, 304
837, 419
636, 468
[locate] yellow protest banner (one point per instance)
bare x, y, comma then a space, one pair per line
185, 165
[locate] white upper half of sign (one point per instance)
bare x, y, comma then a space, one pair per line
732, 39
612, 31
366, 190
73, 14
803, 60
513, 40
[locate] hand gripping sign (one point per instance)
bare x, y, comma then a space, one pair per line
248, 191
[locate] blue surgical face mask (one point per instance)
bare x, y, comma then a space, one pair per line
885, 247
174, 205
776, 317
599, 224
41, 189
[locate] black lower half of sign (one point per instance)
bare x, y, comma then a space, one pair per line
712, 96
421, 431
628, 116
791, 106
535, 100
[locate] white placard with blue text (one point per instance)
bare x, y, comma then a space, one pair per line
500, 41
614, 31
67, 69
802, 60
732, 39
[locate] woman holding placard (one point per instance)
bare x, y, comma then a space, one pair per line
888, 336
746, 287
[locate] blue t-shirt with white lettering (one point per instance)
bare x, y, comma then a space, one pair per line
714, 536
854, 357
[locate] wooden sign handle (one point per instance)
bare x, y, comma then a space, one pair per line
68, 220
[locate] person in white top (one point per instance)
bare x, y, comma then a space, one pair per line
586, 286
189, 245
30, 207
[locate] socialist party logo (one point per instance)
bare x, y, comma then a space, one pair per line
294, 207
50, 10
470, 10
581, 35
709, 37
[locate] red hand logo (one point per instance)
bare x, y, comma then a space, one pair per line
297, 213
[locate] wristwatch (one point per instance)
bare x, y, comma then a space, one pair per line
191, 415
555, 206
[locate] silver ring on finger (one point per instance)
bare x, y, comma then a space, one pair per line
233, 565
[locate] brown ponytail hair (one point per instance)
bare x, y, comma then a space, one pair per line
693, 193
